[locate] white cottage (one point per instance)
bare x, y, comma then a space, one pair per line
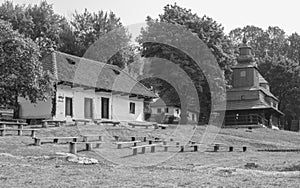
87, 89
169, 109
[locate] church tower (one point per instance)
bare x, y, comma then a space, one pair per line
250, 102
245, 73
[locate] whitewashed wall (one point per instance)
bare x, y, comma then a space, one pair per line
78, 95
118, 105
121, 108
37, 110
172, 111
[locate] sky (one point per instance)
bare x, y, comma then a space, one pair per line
230, 13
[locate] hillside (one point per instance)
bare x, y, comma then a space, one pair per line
23, 164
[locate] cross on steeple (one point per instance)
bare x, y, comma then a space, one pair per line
244, 39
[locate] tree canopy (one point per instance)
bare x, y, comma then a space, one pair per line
21, 72
206, 29
277, 56
38, 22
29, 32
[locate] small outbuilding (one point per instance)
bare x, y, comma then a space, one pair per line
167, 109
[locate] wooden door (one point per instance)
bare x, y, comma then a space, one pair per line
104, 108
68, 106
88, 108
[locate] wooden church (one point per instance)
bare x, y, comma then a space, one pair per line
249, 101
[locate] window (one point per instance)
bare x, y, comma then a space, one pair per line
69, 106
177, 111
243, 97
167, 110
132, 108
243, 73
193, 117
116, 71
88, 108
70, 61
158, 110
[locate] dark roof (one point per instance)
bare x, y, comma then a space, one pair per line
90, 73
246, 105
268, 92
262, 80
250, 104
166, 103
264, 90
162, 103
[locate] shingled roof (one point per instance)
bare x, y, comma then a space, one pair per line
246, 105
94, 74
262, 80
163, 103
167, 103
264, 90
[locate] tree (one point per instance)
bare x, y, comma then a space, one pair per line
67, 41
38, 22
21, 72
173, 85
272, 41
277, 56
294, 47
18, 16
255, 36
52, 31
206, 29
283, 75
96, 35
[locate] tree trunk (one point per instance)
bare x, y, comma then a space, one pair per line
16, 106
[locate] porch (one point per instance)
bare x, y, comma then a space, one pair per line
245, 120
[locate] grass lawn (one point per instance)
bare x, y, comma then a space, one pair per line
25, 165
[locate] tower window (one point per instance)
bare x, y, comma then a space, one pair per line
243, 73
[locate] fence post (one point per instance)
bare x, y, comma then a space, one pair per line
195, 148
37, 141
216, 148
152, 149
73, 149
134, 151
181, 148
143, 150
